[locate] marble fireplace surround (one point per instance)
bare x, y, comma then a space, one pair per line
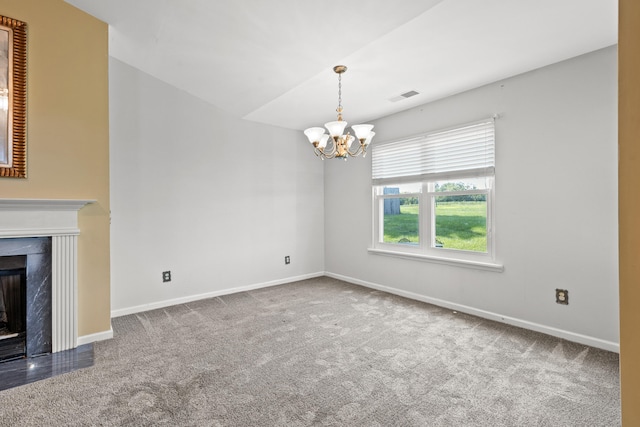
58, 220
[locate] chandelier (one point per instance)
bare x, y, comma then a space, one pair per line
335, 144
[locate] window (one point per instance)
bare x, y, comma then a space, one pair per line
433, 195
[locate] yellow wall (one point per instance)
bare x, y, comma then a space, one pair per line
629, 208
68, 135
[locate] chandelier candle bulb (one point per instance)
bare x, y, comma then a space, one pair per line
340, 145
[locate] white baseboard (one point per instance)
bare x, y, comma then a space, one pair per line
569, 336
190, 298
560, 333
98, 336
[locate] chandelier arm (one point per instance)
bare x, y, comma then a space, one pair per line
325, 154
330, 148
361, 149
329, 155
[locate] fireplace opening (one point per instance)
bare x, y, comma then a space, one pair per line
13, 306
25, 286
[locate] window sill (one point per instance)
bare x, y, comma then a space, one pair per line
440, 260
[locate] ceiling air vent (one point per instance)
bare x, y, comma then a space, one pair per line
404, 96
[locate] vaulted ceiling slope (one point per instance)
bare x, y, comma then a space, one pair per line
271, 61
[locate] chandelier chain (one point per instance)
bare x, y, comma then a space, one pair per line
339, 109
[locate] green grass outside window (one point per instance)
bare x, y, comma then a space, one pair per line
459, 225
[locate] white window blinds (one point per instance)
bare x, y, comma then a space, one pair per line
465, 151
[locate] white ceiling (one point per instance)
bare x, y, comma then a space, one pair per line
271, 61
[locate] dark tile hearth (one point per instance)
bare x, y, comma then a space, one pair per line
23, 371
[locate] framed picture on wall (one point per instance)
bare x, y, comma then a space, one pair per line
13, 98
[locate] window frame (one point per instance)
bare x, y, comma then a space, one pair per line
426, 249
379, 219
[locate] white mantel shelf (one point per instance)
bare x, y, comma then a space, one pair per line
39, 217
44, 204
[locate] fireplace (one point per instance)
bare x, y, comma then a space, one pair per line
38, 276
25, 297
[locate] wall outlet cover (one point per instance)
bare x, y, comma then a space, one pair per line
562, 296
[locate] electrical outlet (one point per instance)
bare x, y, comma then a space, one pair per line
287, 260
562, 296
166, 276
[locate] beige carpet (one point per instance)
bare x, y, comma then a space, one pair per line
326, 353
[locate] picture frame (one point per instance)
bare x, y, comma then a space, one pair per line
13, 98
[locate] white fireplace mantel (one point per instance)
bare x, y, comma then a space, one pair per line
58, 219
39, 217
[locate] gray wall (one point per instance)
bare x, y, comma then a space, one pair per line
556, 204
217, 200
220, 201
